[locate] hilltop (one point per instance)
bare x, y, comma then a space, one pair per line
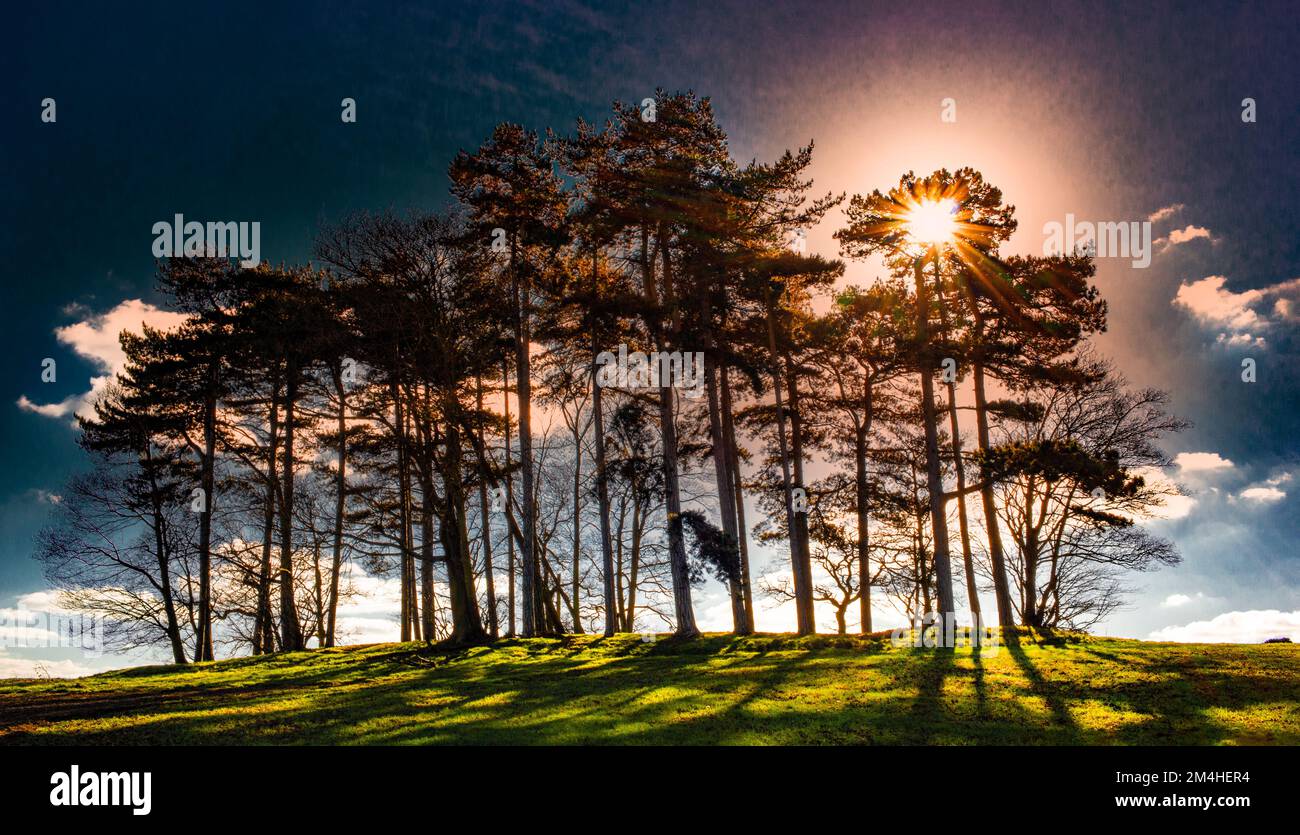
777, 689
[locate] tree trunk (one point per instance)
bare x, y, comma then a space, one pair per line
203, 638
634, 579
318, 595
862, 501
340, 506
738, 491
602, 500
1001, 586
968, 561
800, 518
263, 626
802, 585
529, 592
510, 498
685, 614
485, 522
164, 568
726, 494
1029, 608
404, 511
577, 522
290, 630
933, 474
621, 618
429, 604
959, 467
467, 623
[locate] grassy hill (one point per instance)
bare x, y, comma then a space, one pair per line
716, 690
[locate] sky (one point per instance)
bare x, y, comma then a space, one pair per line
1102, 111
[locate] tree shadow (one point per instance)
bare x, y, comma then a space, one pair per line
715, 690
1066, 728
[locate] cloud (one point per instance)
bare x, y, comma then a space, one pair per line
1239, 316
1241, 340
1263, 495
1165, 212
1211, 304
372, 616
1195, 462
45, 496
63, 408
1175, 507
1250, 627
1188, 233
1267, 491
32, 627
1286, 300
45, 600
12, 667
1175, 600
95, 338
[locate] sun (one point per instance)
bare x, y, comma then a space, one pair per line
932, 221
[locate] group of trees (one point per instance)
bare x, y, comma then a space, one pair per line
426, 406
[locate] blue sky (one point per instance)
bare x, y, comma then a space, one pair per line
1100, 110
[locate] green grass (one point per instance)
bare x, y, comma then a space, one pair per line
768, 689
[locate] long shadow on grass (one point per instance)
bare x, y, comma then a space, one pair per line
1066, 730
195, 690
716, 692
1177, 691
652, 697
928, 709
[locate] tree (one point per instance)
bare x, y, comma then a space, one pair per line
510, 185
886, 224
118, 532
859, 360
181, 373
1073, 482
1025, 315
662, 167
425, 267
737, 258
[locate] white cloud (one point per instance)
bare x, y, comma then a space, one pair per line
1251, 627
1241, 340
32, 643
1165, 212
95, 338
1192, 462
1239, 316
1263, 495
372, 616
1175, 507
1210, 303
1267, 491
1189, 233
1176, 600
14, 667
